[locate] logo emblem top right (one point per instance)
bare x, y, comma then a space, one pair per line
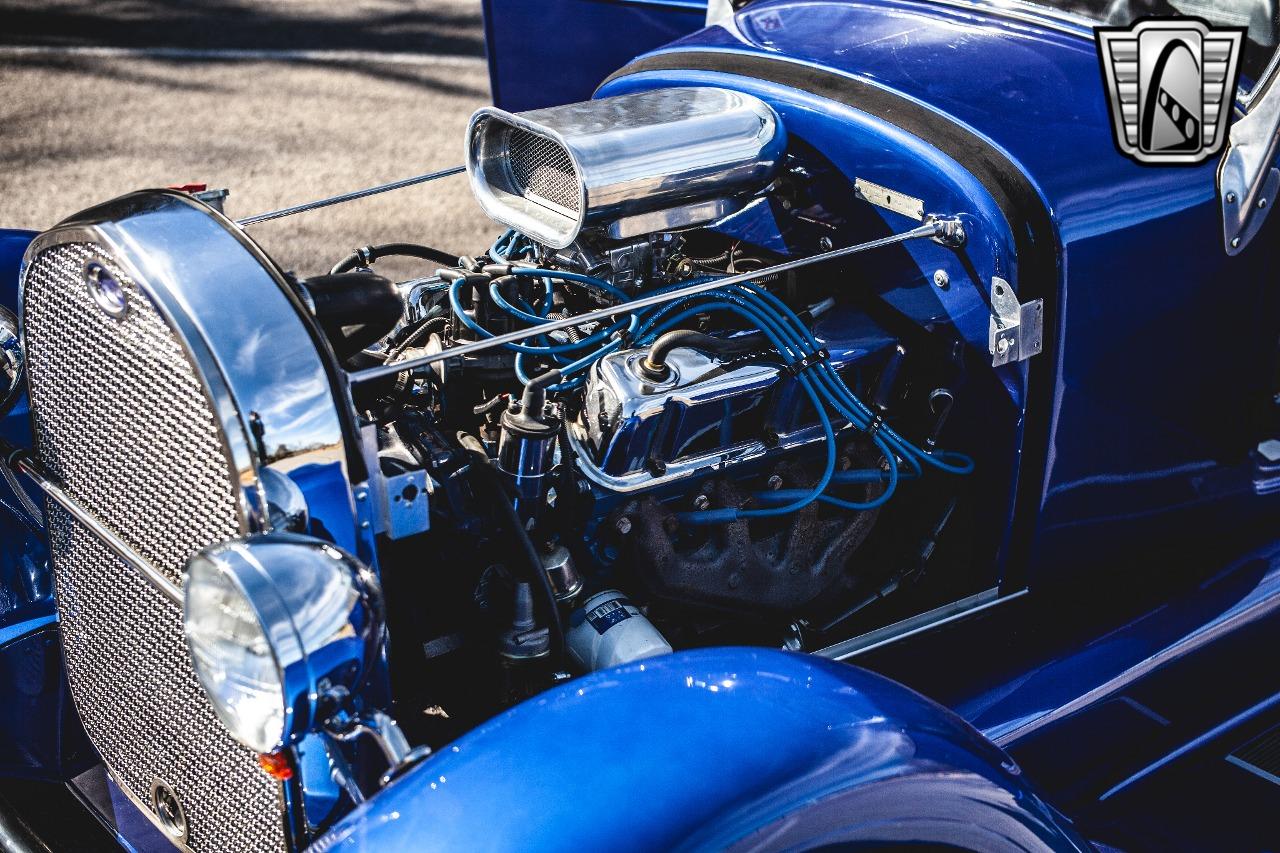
1172, 84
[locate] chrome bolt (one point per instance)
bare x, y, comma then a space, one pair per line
360, 496
1262, 202
623, 525
1002, 346
825, 244
775, 483
1231, 198
701, 502
941, 279
1235, 243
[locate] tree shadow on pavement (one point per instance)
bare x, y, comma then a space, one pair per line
438, 27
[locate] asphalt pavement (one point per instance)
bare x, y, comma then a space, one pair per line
279, 102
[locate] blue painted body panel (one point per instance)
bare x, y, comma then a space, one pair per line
542, 54
704, 750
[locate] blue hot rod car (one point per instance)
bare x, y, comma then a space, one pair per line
830, 346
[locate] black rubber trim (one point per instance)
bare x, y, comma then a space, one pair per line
1035, 239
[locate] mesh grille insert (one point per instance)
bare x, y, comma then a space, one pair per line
123, 421
541, 170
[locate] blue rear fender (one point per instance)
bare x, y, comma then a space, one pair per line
713, 749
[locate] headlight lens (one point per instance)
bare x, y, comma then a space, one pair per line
233, 658
270, 620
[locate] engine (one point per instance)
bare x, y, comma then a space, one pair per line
631, 424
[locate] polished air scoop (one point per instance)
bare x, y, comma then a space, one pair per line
631, 164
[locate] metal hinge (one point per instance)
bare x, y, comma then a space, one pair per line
1017, 329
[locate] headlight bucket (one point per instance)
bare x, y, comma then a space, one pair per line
272, 621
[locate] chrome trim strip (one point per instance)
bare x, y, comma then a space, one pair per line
1197, 639
1246, 99
939, 228
24, 465
351, 196
914, 625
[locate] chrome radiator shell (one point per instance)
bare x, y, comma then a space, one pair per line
158, 419
661, 159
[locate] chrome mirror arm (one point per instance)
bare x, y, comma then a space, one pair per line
1248, 179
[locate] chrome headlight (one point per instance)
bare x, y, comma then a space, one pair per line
272, 621
11, 361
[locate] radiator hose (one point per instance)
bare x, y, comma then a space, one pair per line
367, 255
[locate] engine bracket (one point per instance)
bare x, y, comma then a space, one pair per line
1017, 329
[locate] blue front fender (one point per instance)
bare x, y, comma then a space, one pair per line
713, 749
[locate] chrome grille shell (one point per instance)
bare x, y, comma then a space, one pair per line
158, 423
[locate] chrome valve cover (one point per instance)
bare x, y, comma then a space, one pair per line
156, 402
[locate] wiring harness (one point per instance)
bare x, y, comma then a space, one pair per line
800, 353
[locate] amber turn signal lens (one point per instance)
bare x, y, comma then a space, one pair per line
276, 765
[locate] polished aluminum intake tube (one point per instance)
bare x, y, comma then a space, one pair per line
632, 164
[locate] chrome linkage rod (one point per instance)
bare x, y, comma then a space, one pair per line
352, 196
950, 232
20, 461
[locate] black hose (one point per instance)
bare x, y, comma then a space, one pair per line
426, 327
368, 254
355, 309
494, 479
498, 403
654, 364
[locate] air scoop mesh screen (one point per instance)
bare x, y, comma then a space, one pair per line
124, 422
541, 170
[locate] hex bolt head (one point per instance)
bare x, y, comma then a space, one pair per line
1002, 346
825, 244
701, 502
623, 525
941, 280
775, 483
1231, 198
